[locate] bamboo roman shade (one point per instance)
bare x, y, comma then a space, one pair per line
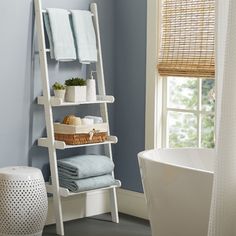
187, 38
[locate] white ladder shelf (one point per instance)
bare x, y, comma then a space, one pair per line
48, 102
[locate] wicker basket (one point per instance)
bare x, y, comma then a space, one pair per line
76, 135
76, 139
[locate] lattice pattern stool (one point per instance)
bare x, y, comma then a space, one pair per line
23, 201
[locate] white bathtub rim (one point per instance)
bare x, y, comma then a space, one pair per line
143, 155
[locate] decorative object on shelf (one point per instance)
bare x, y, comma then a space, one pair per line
75, 90
72, 120
91, 88
86, 132
23, 203
59, 90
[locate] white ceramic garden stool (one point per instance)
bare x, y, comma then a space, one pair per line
23, 201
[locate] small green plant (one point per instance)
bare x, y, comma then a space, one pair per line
58, 86
75, 82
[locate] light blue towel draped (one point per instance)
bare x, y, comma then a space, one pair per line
84, 166
60, 35
85, 36
89, 183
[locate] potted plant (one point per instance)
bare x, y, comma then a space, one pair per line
59, 90
75, 90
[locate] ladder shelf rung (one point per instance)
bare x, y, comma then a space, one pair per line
44, 11
64, 192
55, 102
43, 142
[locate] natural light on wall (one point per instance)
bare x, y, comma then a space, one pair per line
186, 64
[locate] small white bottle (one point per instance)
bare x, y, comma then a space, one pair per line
91, 88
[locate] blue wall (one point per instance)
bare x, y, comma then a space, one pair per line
130, 65
122, 25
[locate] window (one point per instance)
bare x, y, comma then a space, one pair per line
188, 112
186, 66
180, 103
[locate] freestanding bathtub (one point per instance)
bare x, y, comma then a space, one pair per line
178, 187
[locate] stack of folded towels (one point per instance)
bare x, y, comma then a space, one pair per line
86, 172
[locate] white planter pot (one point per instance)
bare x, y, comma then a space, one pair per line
76, 93
60, 94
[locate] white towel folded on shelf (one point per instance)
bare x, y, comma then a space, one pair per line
60, 34
86, 121
96, 119
85, 36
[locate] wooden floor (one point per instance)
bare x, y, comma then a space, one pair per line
102, 226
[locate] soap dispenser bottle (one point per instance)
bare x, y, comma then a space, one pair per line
91, 88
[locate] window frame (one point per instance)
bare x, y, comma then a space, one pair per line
153, 82
154, 119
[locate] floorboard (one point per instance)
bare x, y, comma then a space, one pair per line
102, 226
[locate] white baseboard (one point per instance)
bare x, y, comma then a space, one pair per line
132, 203
98, 202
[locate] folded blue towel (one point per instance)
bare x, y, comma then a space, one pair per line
89, 183
85, 36
61, 40
84, 166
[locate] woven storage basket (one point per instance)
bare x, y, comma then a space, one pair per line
81, 134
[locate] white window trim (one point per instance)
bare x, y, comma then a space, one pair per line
153, 83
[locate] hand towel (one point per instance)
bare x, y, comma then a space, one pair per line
85, 36
60, 35
84, 166
89, 183
96, 119
87, 121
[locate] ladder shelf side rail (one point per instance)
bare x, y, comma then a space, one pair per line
103, 107
48, 117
